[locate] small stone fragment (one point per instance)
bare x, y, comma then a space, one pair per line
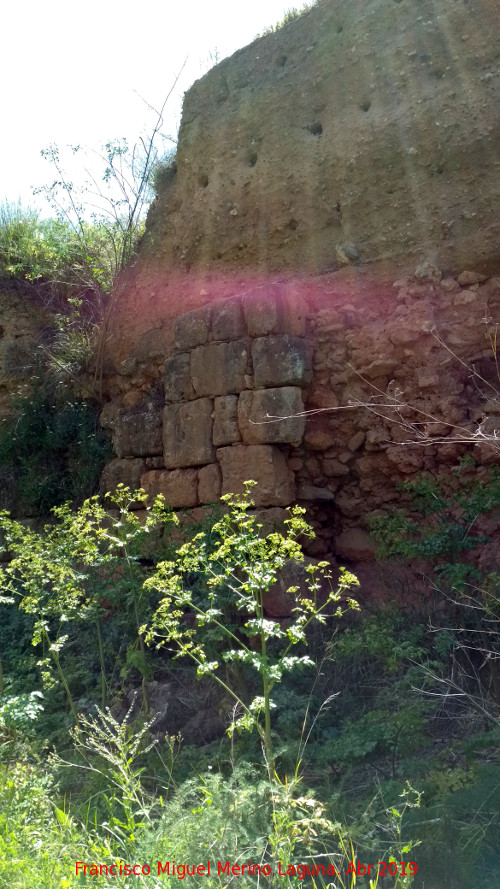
356, 441
468, 277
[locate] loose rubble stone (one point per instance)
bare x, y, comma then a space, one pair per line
407, 459
319, 439
468, 277
187, 434
264, 464
219, 368
450, 285
154, 462
464, 298
378, 368
334, 468
356, 441
255, 407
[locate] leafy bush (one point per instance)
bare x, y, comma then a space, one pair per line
51, 450
75, 569
52, 253
444, 526
239, 560
163, 173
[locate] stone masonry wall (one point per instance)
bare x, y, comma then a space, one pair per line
235, 364
314, 304
323, 401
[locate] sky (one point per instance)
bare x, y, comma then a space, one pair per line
82, 73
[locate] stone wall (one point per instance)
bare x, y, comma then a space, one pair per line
323, 401
315, 305
236, 365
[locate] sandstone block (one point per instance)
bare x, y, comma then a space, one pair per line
355, 545
125, 472
262, 312
219, 368
333, 468
192, 329
154, 343
264, 464
137, 432
228, 322
313, 492
226, 429
179, 487
177, 378
209, 483
280, 360
255, 407
187, 434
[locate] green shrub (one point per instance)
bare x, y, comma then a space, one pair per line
51, 450
51, 252
163, 173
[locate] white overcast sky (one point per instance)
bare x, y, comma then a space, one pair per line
71, 70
